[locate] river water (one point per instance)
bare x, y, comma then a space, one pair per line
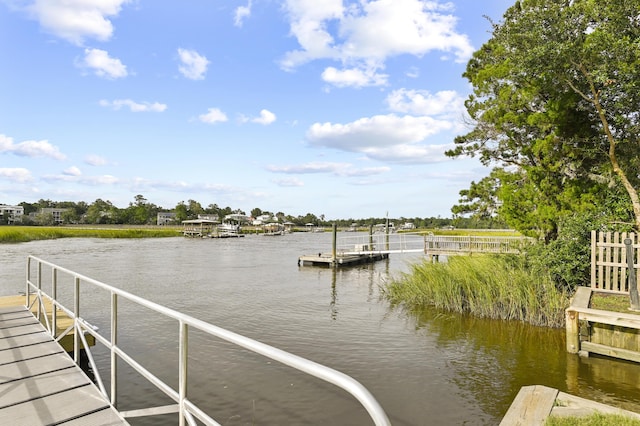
433, 369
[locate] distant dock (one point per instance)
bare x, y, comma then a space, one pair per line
374, 246
324, 259
341, 258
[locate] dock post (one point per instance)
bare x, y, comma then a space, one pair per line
334, 243
572, 325
633, 284
370, 237
386, 231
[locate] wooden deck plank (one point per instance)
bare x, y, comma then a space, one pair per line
571, 405
531, 406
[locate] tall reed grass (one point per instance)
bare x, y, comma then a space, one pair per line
18, 234
488, 286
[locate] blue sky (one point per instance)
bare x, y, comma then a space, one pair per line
335, 107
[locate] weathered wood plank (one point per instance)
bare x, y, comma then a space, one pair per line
571, 405
611, 351
531, 406
581, 298
608, 317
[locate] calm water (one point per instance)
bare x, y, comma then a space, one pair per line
436, 369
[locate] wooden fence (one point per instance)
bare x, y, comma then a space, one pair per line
609, 269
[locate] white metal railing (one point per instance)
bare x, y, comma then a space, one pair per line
416, 242
187, 410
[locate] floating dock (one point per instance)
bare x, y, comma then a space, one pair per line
327, 259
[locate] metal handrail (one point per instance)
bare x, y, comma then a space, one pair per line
187, 410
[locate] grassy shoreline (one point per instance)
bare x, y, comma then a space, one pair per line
21, 234
487, 286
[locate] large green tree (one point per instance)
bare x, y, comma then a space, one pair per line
556, 103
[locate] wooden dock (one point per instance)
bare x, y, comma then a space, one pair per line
325, 259
534, 404
39, 383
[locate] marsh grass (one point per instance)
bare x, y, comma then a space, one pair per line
596, 419
18, 234
497, 287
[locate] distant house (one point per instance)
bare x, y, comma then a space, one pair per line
14, 213
262, 219
166, 218
212, 217
56, 213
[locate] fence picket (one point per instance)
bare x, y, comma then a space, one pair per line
609, 260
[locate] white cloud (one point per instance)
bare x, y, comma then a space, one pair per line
214, 115
76, 20
194, 66
85, 180
376, 131
383, 137
266, 117
72, 171
354, 77
241, 13
103, 65
16, 174
95, 160
134, 106
422, 102
337, 169
30, 148
410, 154
413, 72
289, 182
365, 34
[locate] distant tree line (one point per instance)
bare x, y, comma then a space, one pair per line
142, 212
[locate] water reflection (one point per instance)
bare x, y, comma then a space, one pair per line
493, 359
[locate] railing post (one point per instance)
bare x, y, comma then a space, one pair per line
114, 344
633, 285
39, 289
182, 374
54, 298
27, 287
76, 328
